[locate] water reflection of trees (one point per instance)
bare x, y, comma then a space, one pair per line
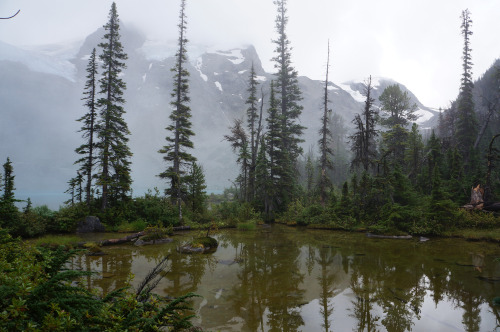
396, 279
110, 272
270, 280
186, 271
389, 280
327, 281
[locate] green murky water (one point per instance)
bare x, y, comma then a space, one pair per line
287, 279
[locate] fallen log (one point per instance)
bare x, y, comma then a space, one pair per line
125, 239
376, 236
131, 237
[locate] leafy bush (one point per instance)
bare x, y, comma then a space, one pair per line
293, 214
476, 219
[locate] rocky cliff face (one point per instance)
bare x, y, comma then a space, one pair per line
41, 100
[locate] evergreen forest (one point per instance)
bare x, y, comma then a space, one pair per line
400, 179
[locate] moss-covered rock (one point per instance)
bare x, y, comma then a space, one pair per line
200, 245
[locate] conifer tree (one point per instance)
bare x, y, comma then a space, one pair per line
363, 140
196, 188
289, 96
325, 141
432, 158
263, 186
273, 149
8, 182
8, 210
239, 144
309, 174
253, 121
466, 126
414, 153
112, 130
399, 111
176, 152
88, 121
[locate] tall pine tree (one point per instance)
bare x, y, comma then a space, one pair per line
112, 130
179, 141
239, 143
325, 141
253, 121
363, 140
273, 143
8, 211
87, 150
466, 126
288, 98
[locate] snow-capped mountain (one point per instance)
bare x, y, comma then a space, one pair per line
41, 91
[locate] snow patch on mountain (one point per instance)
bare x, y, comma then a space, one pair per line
49, 60
199, 63
234, 55
261, 78
157, 50
219, 86
423, 115
356, 95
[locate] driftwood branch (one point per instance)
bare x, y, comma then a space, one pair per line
8, 18
131, 237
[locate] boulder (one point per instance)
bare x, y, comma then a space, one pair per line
91, 224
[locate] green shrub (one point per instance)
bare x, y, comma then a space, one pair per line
476, 219
294, 213
38, 294
247, 226
135, 226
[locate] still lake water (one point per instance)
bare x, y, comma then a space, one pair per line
292, 279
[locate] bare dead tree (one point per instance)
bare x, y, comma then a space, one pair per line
8, 18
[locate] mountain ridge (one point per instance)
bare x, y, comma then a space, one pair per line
218, 84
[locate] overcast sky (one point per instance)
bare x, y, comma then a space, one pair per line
417, 43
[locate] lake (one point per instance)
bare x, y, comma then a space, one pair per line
293, 279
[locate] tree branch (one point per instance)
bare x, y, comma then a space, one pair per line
8, 18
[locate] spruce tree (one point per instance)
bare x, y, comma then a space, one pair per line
196, 188
8, 211
253, 121
8, 182
414, 153
432, 158
88, 121
273, 149
112, 130
239, 143
363, 140
466, 125
325, 141
399, 111
263, 186
176, 152
289, 96
310, 175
